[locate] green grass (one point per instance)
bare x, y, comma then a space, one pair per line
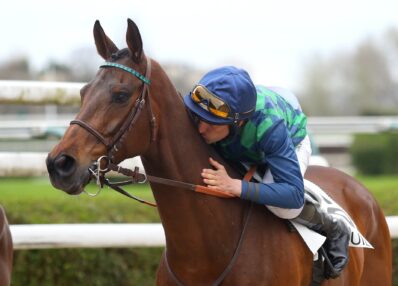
41, 200
17, 194
37, 197
385, 190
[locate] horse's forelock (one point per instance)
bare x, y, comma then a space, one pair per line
120, 54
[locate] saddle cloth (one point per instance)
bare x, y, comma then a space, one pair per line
313, 239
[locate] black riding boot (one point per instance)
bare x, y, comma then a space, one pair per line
336, 232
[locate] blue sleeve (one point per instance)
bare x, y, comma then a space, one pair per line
287, 191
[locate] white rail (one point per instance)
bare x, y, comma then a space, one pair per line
392, 222
333, 126
41, 236
43, 92
21, 164
352, 124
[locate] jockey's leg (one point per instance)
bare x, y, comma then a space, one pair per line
336, 232
311, 215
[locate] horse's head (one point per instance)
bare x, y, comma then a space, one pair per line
110, 104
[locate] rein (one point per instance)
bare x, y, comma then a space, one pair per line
139, 178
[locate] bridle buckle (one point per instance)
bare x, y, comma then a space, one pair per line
99, 174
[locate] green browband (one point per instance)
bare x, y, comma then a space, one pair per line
127, 69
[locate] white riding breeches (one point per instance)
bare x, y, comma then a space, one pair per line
303, 152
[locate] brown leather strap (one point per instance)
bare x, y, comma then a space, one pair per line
131, 119
250, 173
116, 187
137, 177
135, 112
213, 192
171, 183
199, 188
227, 269
90, 129
152, 117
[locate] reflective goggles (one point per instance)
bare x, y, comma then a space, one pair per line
207, 100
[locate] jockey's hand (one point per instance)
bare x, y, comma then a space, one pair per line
218, 179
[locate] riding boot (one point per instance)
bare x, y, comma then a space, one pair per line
336, 232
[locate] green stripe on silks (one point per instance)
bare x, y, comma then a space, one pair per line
300, 134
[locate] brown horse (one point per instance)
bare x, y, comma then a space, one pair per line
6, 250
209, 240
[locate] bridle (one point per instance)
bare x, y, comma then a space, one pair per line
113, 144
135, 176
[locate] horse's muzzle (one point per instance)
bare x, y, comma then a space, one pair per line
66, 175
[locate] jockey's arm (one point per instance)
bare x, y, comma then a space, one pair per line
287, 190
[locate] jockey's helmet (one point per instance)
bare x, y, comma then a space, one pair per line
224, 95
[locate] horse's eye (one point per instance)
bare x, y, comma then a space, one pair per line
120, 97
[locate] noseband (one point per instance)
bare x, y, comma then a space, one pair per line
113, 144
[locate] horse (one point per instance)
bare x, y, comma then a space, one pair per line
132, 108
6, 250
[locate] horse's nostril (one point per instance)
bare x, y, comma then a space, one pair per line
64, 165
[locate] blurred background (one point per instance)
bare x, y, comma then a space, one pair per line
340, 58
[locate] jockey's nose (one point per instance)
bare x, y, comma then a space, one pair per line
203, 127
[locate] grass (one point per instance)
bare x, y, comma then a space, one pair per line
110, 206
19, 195
385, 190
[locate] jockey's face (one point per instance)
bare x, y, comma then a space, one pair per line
212, 133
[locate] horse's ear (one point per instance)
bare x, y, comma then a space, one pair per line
105, 46
134, 41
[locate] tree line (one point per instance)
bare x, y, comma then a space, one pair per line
360, 81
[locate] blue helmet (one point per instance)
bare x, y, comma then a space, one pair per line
223, 96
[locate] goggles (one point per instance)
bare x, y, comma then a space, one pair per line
207, 100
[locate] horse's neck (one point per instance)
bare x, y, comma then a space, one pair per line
180, 154
179, 151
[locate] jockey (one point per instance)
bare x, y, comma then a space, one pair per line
263, 126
